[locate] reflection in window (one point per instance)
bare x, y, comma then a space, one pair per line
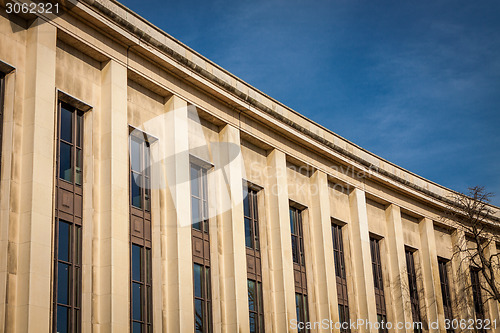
302, 310
445, 291
378, 284
255, 306
68, 276
140, 173
202, 298
199, 198
70, 156
412, 286
251, 218
141, 295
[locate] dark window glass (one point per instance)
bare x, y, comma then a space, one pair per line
251, 218
65, 162
297, 237
340, 273
68, 232
302, 310
64, 241
140, 174
255, 306
445, 291
62, 319
67, 125
378, 283
202, 298
412, 285
136, 262
141, 315
67, 293
476, 295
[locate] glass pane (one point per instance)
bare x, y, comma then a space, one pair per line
78, 245
137, 291
298, 307
63, 283
64, 238
65, 169
137, 328
262, 328
305, 304
198, 315
78, 283
253, 328
135, 184
292, 224
197, 269
248, 233
62, 319
135, 154
148, 266
136, 263
147, 160
66, 125
195, 213
246, 202
295, 253
204, 183
149, 303
195, 187
79, 129
78, 167
208, 284
147, 195
259, 295
252, 302
256, 236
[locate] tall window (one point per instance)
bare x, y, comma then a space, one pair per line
141, 300
201, 250
299, 266
68, 221
340, 274
476, 294
254, 269
445, 291
2, 94
378, 283
412, 286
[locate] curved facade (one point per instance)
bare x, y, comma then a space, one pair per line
144, 188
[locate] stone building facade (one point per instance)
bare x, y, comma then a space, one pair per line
144, 188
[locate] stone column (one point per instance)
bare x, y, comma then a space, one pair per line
231, 231
176, 224
430, 271
400, 292
463, 305
113, 277
362, 267
492, 305
325, 286
35, 259
280, 244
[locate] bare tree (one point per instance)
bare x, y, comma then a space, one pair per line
472, 214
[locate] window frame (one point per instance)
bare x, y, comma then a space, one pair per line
200, 239
340, 275
378, 282
140, 234
413, 289
68, 209
477, 295
2, 99
445, 291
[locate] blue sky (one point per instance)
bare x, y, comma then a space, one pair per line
415, 82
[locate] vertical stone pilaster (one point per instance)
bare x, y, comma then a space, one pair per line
33, 293
280, 245
362, 267
321, 246
463, 305
114, 234
231, 230
401, 304
492, 305
177, 259
431, 280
